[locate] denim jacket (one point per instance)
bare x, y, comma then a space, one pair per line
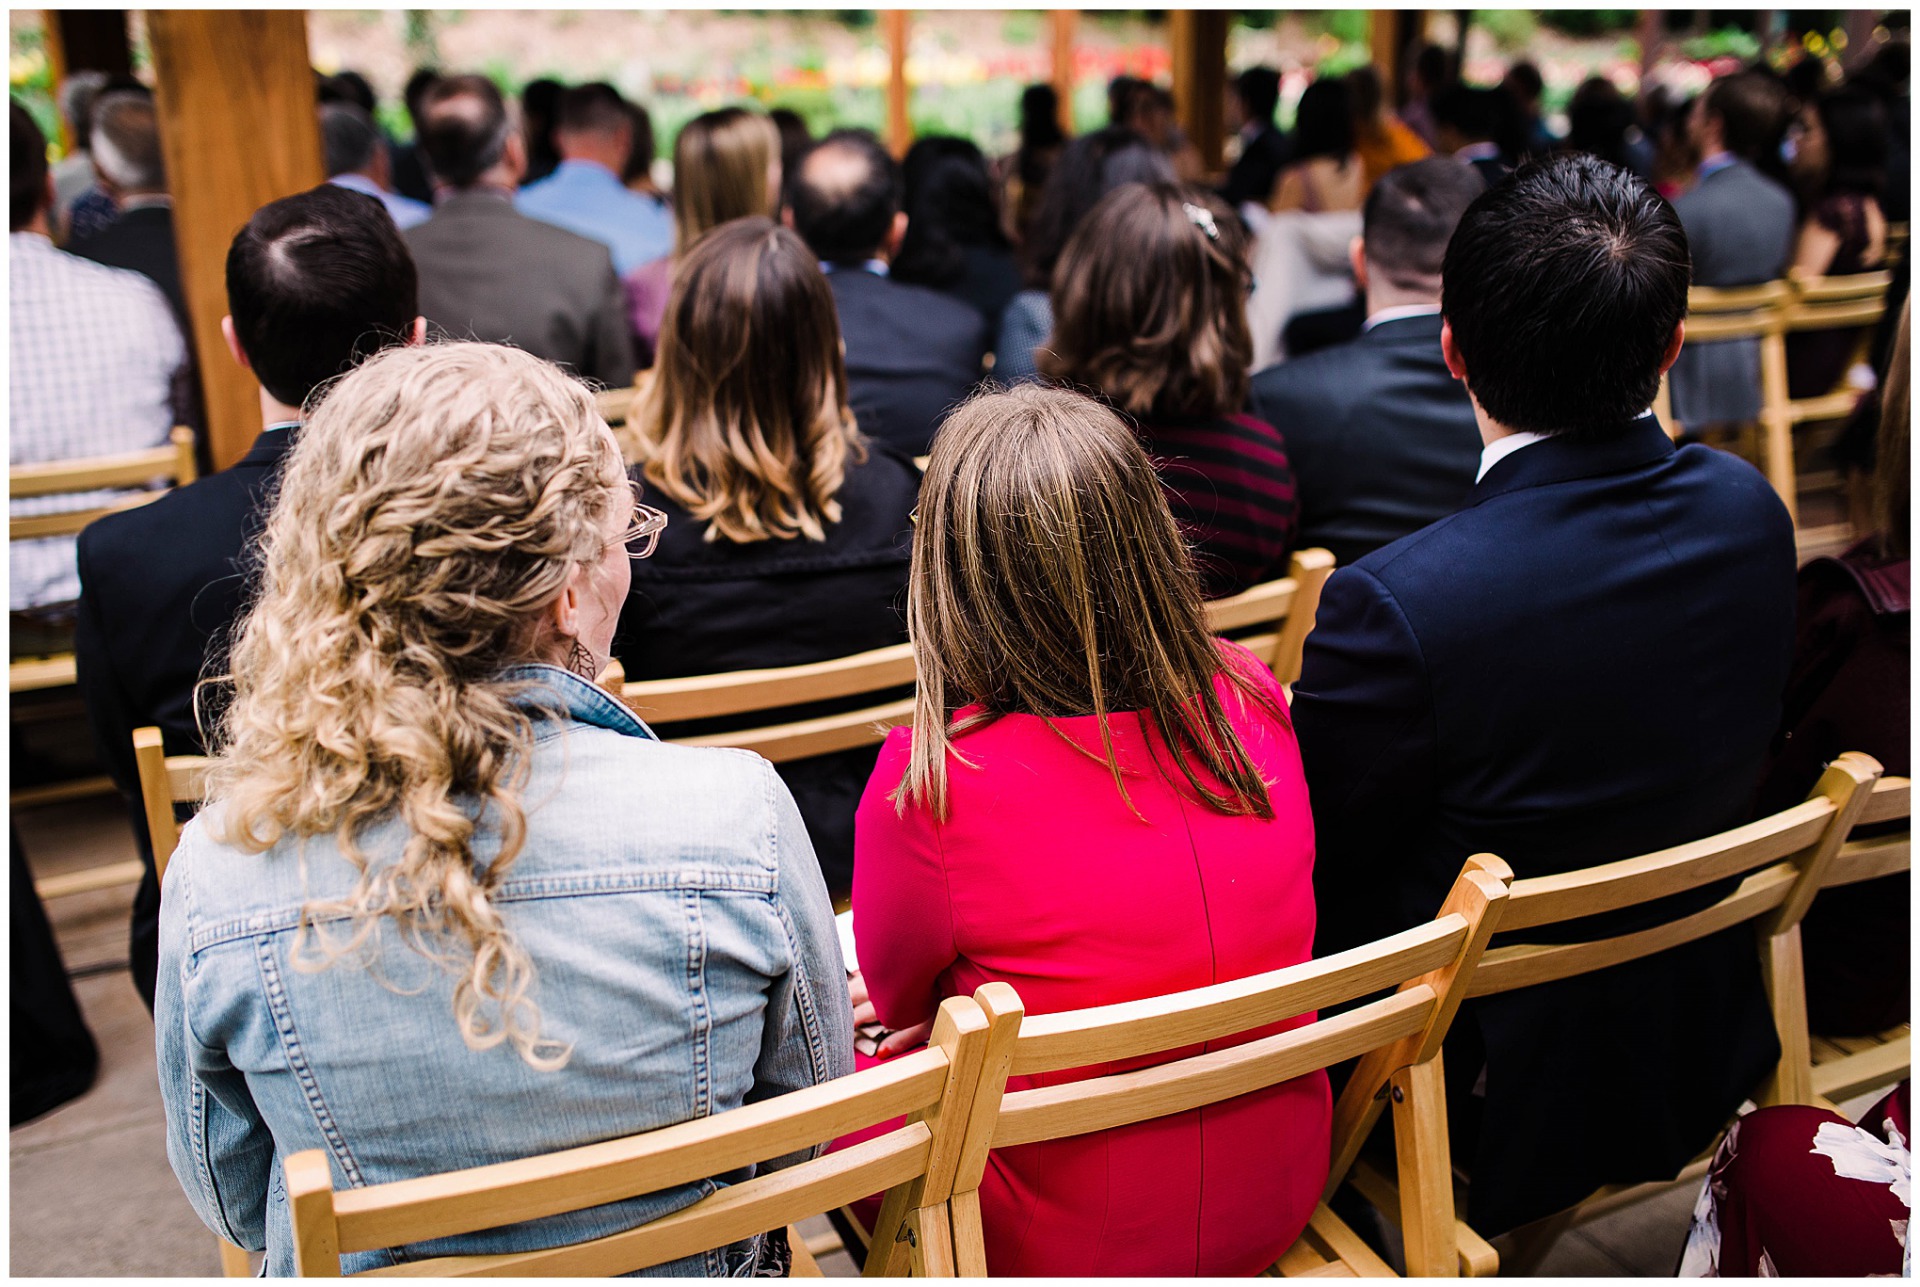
682, 943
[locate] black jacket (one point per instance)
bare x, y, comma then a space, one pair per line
1381, 437
1583, 664
160, 588
1254, 173
703, 607
913, 354
141, 240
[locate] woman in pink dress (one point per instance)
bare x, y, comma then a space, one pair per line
1097, 802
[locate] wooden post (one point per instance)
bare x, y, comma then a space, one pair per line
1200, 79
899, 125
1064, 23
239, 129
1652, 28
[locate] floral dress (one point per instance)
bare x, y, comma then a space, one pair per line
1797, 1192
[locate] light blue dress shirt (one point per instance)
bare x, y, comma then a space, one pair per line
588, 198
406, 211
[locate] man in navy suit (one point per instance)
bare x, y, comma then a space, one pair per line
1585, 663
912, 354
1381, 437
316, 282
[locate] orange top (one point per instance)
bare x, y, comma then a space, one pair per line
1392, 144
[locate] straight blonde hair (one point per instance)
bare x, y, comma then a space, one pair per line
723, 165
745, 423
1049, 579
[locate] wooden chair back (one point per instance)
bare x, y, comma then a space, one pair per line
1729, 313
1783, 858
1282, 611
165, 780
914, 1163
1396, 1039
172, 463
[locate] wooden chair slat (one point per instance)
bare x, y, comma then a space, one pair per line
92, 880
613, 404
1891, 799
484, 1197
71, 522
803, 738
1078, 1038
736, 1212
94, 473
1118, 1099
1545, 900
1523, 965
1870, 859
1257, 605
35, 673
1860, 1071
667, 701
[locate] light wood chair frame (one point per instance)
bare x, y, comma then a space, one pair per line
172, 462
1287, 605
913, 1162
1783, 860
1397, 1041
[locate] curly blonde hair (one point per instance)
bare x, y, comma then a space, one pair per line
436, 502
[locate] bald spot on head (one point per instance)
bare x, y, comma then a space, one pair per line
835, 170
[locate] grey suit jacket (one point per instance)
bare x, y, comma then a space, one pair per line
1740, 229
488, 272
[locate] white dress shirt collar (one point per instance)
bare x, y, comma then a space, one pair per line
1500, 448
1397, 312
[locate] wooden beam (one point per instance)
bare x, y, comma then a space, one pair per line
1200, 79
899, 124
239, 129
1065, 21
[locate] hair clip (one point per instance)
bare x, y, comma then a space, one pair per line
1202, 219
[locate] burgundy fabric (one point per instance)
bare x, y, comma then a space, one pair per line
1043, 877
1817, 359
1231, 490
1785, 1197
1849, 691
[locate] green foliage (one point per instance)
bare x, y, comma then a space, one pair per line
1348, 26
1589, 22
1022, 27
1512, 29
31, 83
1727, 42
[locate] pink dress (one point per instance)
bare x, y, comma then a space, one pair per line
1043, 878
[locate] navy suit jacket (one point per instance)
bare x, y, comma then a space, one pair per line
1381, 437
160, 587
1584, 664
913, 354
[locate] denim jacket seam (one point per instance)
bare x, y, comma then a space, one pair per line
281, 1009
701, 1018
802, 983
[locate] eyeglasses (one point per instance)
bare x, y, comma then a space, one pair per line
643, 533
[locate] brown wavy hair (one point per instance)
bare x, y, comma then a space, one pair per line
722, 167
1150, 304
1049, 579
745, 423
434, 506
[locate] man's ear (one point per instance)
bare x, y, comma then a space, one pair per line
419, 333
1357, 256
232, 338
1674, 342
896, 234
1451, 352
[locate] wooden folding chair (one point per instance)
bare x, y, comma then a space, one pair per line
1814, 304
172, 464
914, 1163
1783, 858
746, 692
165, 780
1745, 313
1396, 1039
1843, 1067
1282, 610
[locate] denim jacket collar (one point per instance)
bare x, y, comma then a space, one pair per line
561, 692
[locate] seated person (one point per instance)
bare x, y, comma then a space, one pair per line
97, 368
1843, 231
593, 131
912, 354
1470, 121
1381, 437
1089, 833
485, 905
356, 156
790, 532
316, 282
1149, 305
1583, 664
1324, 171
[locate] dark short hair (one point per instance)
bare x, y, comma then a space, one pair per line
1524, 79
949, 209
1150, 304
597, 108
1562, 286
415, 93
847, 222
1752, 109
1040, 117
1410, 216
348, 87
1323, 123
348, 137
1088, 168
463, 129
28, 148
316, 282
1856, 130
1259, 91
1473, 112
